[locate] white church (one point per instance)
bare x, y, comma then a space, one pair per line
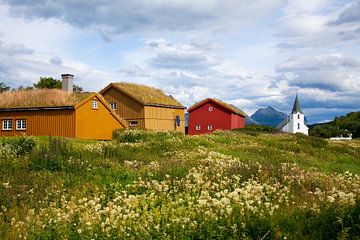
295, 123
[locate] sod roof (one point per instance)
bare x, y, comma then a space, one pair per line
145, 94
227, 106
40, 98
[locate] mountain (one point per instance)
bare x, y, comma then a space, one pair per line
250, 121
268, 116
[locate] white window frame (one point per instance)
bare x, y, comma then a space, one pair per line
7, 125
133, 123
94, 104
113, 105
22, 124
211, 109
210, 127
197, 127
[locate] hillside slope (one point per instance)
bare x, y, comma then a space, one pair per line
150, 185
339, 126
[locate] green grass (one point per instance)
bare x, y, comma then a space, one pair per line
146, 185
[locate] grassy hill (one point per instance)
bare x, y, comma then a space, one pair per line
339, 126
147, 185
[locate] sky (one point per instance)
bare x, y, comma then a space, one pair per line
248, 53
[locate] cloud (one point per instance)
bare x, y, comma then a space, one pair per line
180, 56
12, 49
349, 15
149, 15
331, 71
55, 60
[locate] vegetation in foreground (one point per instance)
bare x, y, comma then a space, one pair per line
147, 185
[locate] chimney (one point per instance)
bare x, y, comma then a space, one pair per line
67, 82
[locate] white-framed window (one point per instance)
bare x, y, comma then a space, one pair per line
298, 125
113, 105
198, 127
211, 109
94, 104
7, 125
133, 123
21, 124
298, 116
210, 127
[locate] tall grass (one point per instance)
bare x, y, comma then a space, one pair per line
150, 185
39, 98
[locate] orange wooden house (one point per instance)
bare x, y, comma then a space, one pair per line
53, 112
145, 107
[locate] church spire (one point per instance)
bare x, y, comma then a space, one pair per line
296, 107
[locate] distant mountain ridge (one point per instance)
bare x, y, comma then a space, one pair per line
268, 116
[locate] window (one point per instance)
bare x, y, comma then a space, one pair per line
210, 127
298, 125
20, 124
113, 105
198, 127
133, 123
94, 104
211, 109
7, 125
298, 116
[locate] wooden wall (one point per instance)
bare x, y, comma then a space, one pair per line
95, 123
163, 119
41, 123
128, 109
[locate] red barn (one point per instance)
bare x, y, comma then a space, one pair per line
212, 114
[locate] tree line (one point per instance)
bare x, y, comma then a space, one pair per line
44, 82
340, 126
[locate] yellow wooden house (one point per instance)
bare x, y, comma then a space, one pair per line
52, 112
144, 107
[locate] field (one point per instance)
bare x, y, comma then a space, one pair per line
148, 185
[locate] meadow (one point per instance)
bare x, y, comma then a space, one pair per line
155, 185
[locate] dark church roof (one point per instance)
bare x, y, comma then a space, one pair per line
296, 107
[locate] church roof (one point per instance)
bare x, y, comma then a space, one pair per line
296, 107
283, 123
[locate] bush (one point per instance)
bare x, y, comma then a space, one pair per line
255, 130
135, 136
52, 157
20, 146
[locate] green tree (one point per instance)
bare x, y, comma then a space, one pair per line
3, 87
48, 82
77, 88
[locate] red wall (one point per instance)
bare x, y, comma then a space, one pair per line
237, 121
220, 118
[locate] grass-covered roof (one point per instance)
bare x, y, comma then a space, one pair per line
40, 98
146, 95
230, 107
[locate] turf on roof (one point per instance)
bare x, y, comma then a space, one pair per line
40, 98
221, 103
146, 94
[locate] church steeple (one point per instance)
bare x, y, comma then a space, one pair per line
296, 107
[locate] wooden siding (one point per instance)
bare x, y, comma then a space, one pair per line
163, 119
95, 123
41, 123
127, 108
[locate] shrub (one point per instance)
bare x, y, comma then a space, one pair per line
20, 146
134, 135
52, 157
255, 130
